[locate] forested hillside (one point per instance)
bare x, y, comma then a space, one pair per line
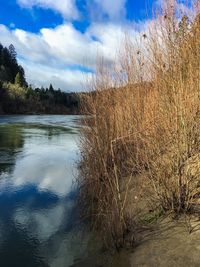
17, 97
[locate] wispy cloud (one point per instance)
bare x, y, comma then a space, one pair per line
67, 8
113, 10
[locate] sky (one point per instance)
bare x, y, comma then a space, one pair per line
57, 41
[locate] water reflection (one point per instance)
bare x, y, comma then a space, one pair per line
37, 213
11, 141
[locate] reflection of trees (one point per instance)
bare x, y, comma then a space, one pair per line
11, 140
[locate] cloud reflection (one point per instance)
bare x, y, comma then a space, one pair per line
37, 210
47, 169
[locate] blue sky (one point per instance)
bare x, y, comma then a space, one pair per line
57, 40
37, 17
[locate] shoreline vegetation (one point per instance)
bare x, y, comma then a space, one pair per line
17, 97
140, 152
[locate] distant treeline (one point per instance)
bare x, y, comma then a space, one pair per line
17, 97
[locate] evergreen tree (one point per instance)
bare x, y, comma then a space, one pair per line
22, 73
9, 66
17, 97
3, 74
13, 52
6, 64
1, 49
51, 89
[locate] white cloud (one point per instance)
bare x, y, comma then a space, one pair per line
67, 8
66, 79
56, 55
56, 164
114, 9
63, 45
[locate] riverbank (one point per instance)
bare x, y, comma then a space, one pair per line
166, 243
170, 244
24, 110
15, 99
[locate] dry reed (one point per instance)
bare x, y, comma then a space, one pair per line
144, 122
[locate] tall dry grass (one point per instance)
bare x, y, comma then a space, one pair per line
144, 123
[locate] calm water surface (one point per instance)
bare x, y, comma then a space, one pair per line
39, 225
37, 215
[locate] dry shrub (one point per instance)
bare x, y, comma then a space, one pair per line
144, 121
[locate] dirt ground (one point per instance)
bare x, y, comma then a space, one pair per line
171, 245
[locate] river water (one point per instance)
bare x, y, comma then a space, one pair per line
37, 169
39, 225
